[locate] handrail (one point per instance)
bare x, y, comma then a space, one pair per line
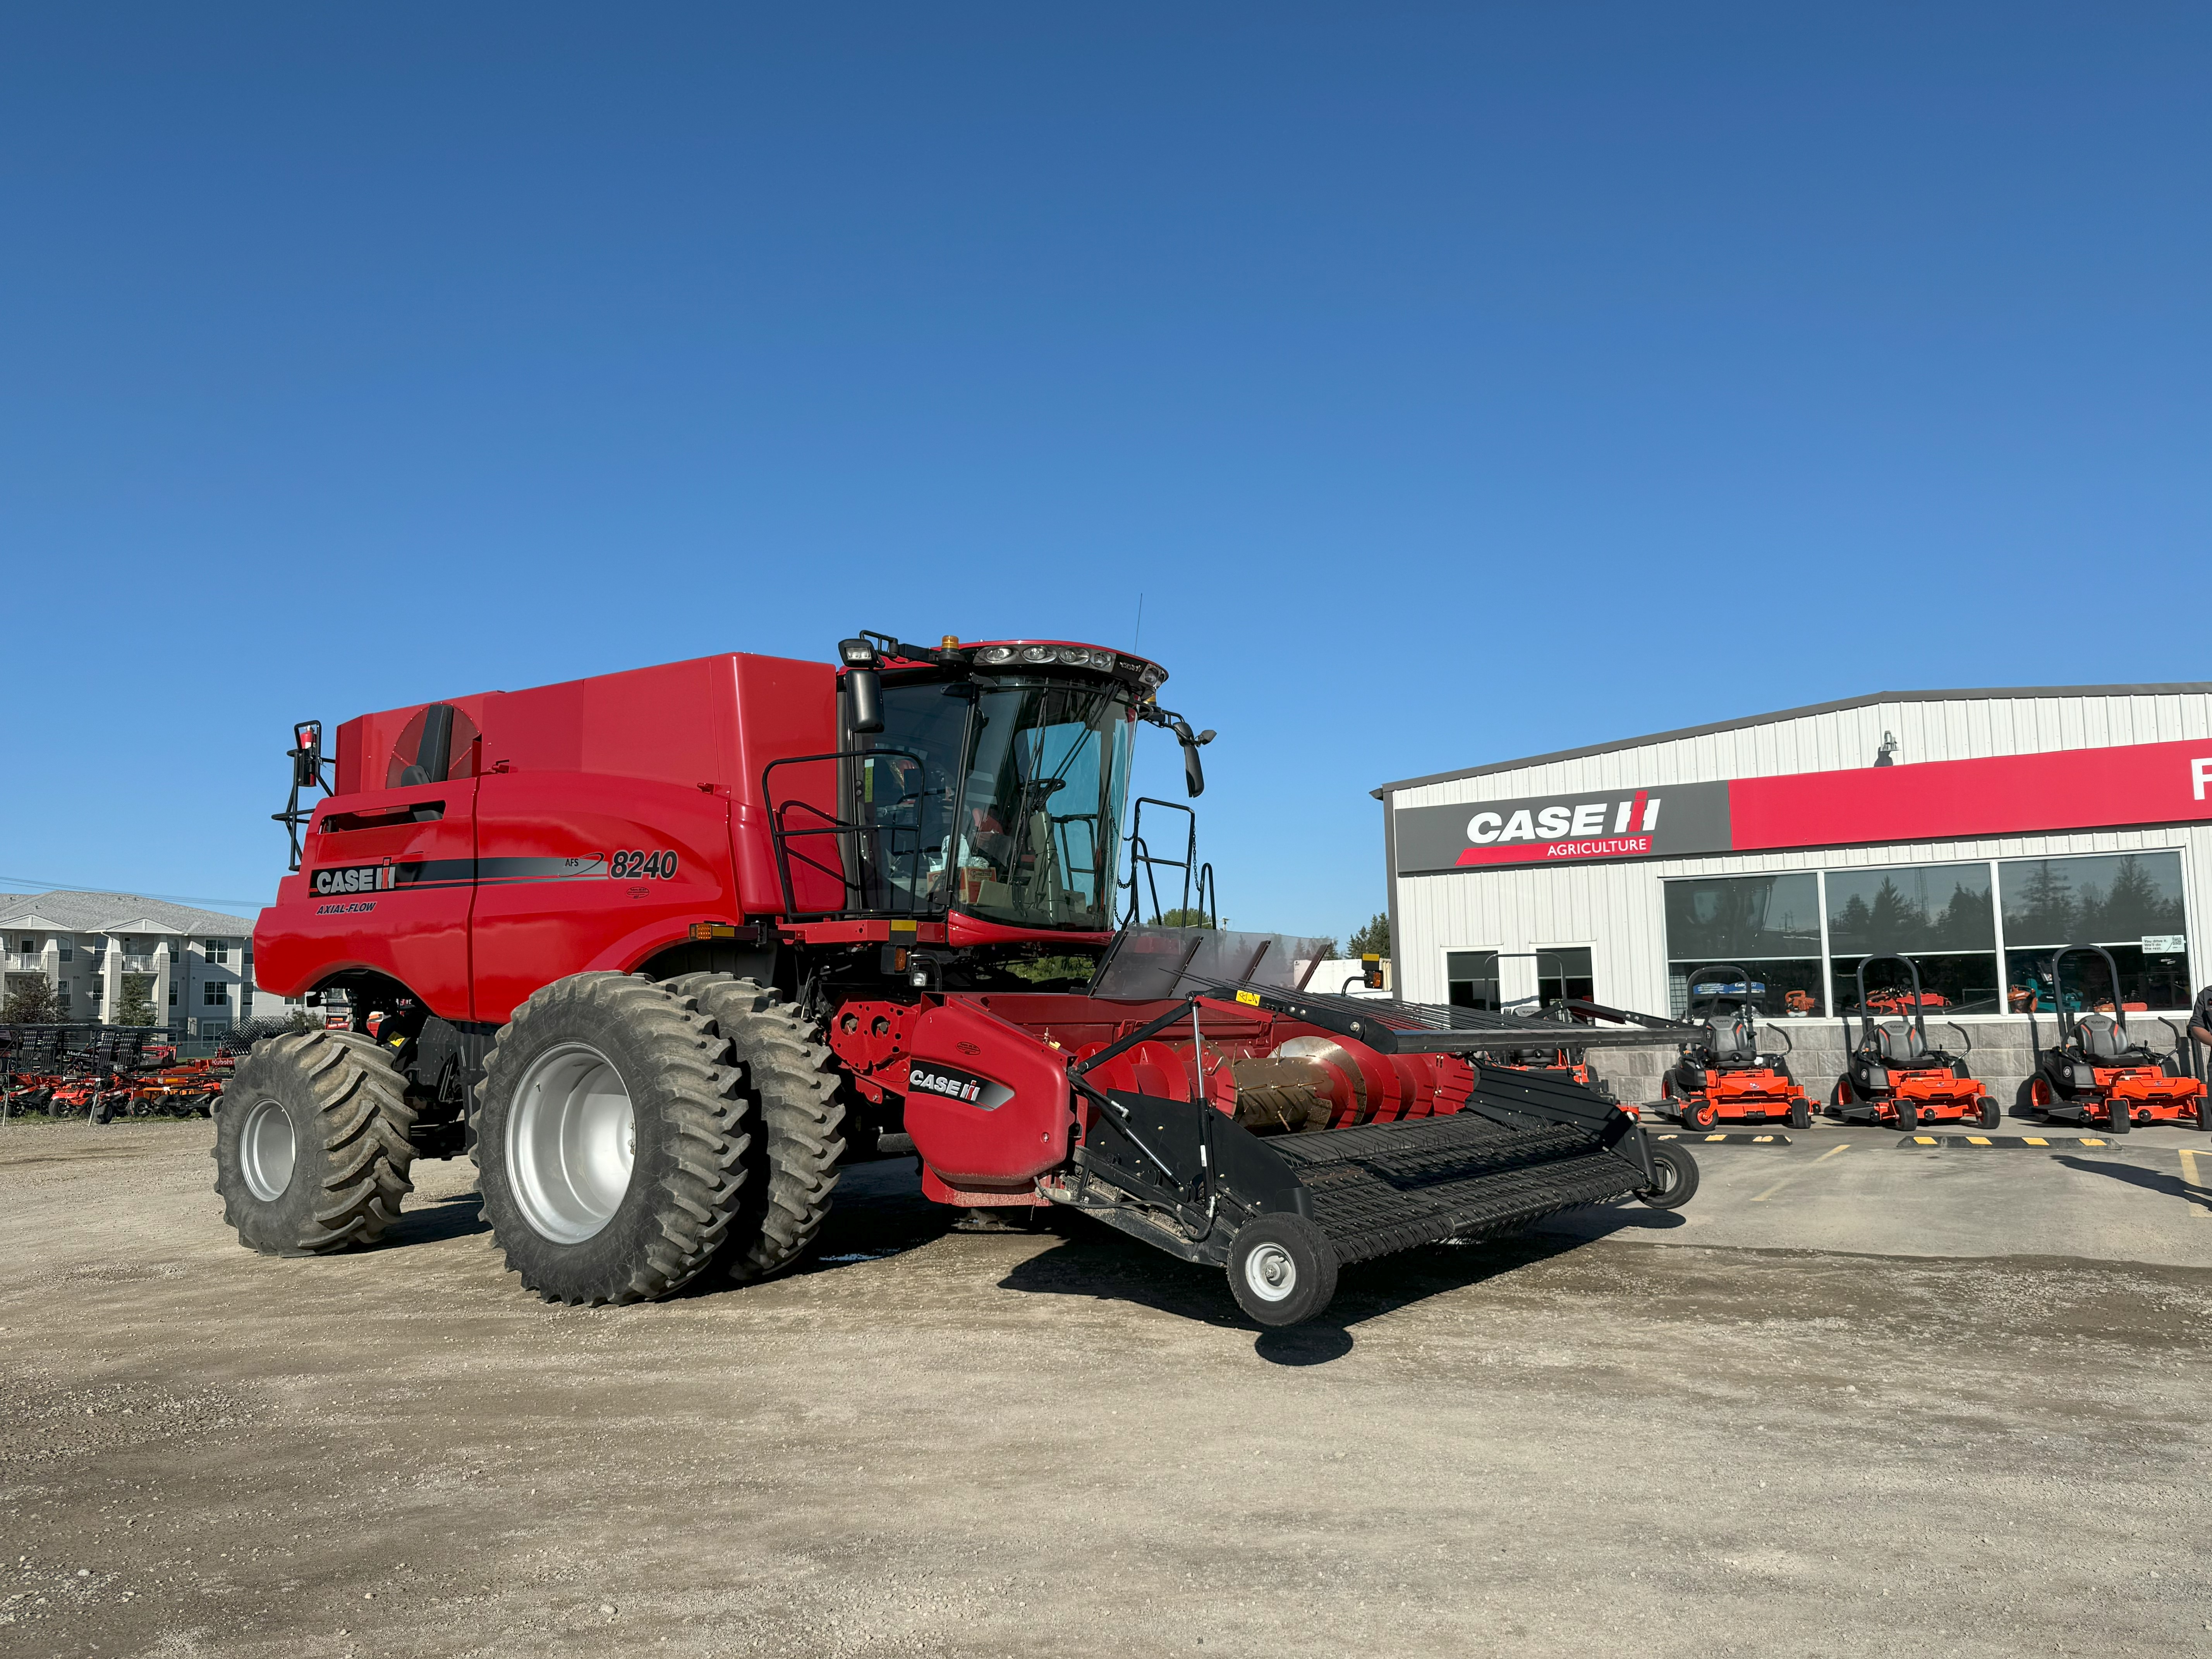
1195, 875
782, 834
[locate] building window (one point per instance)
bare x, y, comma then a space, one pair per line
218, 951
62, 997
2129, 903
68, 948
216, 994
1939, 914
1768, 925
172, 991
1564, 971
30, 947
1471, 979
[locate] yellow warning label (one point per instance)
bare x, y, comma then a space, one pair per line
1250, 998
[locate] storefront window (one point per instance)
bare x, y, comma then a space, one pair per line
1962, 983
2129, 902
1564, 971
1769, 926
1919, 909
1779, 989
1730, 918
1471, 979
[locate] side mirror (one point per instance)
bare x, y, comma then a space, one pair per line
1194, 775
307, 754
866, 692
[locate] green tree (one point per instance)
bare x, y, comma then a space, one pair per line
1185, 919
31, 1003
1374, 936
134, 1006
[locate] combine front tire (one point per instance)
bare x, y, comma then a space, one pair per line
311, 1151
791, 1086
1678, 1176
1282, 1269
611, 1142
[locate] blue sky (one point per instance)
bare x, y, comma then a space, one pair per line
1453, 383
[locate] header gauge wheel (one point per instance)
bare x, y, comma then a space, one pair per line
1282, 1269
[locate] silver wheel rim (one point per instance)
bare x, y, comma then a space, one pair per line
571, 1139
1271, 1273
266, 1150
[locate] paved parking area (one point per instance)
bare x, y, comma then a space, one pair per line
1857, 1398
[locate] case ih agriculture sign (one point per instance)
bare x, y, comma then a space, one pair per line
1939, 800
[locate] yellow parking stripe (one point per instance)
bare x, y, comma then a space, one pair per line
2189, 1174
1923, 1140
2033, 1140
1977, 1140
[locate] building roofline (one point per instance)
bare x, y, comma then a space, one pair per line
1810, 708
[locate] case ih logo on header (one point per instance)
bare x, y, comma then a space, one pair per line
2120, 787
926, 1077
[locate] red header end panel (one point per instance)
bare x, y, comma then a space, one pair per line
986, 1101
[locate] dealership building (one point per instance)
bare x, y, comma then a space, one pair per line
1975, 831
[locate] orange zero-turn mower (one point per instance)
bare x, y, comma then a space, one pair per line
1892, 1076
2098, 1076
1722, 1076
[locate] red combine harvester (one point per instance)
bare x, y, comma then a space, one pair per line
1892, 1076
2100, 1077
656, 948
1723, 1077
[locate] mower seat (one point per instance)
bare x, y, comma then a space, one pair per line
1730, 1039
1895, 1044
2098, 1036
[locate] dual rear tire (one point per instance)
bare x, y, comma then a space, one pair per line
635, 1136
631, 1137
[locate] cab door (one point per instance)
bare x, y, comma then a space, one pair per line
389, 874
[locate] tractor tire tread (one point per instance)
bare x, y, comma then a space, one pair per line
362, 1118
793, 1080
701, 1111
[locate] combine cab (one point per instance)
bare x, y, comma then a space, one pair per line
1894, 1077
2098, 1076
1723, 1076
661, 950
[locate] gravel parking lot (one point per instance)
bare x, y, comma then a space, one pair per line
1859, 1398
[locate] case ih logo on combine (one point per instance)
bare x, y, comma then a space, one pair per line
355, 878
928, 1077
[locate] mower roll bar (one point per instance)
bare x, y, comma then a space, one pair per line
1919, 1012
1690, 988
2069, 1021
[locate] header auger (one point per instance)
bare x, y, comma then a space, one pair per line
661, 949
